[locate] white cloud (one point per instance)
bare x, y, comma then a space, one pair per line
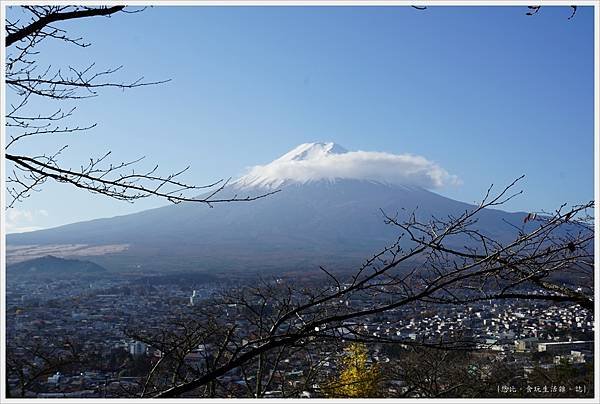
21, 220
398, 169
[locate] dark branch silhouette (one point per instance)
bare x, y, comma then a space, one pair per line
549, 260
533, 10
29, 80
50, 15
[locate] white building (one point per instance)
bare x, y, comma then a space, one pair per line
138, 348
193, 297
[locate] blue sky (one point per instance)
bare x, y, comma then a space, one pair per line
487, 93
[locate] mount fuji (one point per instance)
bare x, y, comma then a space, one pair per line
328, 212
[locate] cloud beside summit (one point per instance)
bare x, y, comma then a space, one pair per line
397, 169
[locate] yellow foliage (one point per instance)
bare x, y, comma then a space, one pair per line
356, 379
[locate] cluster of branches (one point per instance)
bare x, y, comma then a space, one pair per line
30, 361
437, 373
254, 330
550, 259
29, 79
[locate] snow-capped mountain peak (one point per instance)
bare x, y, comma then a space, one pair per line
309, 151
328, 161
291, 167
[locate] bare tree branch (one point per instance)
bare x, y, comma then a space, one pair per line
48, 18
28, 80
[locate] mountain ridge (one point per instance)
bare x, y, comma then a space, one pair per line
55, 266
327, 220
